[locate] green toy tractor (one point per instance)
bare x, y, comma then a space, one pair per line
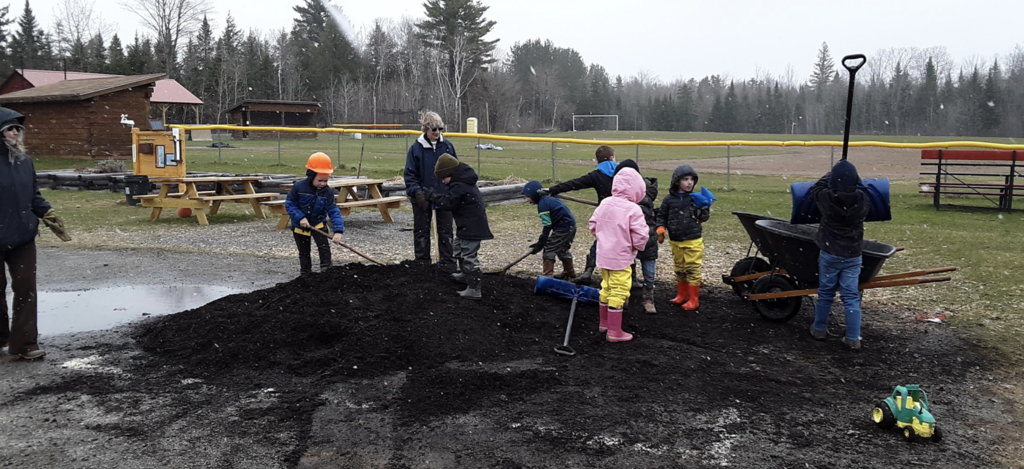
907, 408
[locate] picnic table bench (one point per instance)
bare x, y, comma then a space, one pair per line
986, 173
347, 199
204, 202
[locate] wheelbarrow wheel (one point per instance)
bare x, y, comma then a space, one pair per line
779, 309
747, 266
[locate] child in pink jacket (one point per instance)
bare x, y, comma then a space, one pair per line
621, 231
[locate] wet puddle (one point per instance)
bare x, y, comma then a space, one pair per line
103, 308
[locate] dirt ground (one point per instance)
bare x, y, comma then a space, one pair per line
337, 370
810, 162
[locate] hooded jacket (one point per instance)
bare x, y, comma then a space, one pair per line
420, 161
841, 230
599, 179
679, 214
554, 215
618, 223
650, 252
463, 199
315, 205
21, 204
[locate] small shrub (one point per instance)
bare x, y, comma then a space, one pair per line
110, 166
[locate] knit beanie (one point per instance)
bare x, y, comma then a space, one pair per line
844, 176
627, 163
445, 166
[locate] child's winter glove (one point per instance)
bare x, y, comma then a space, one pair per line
702, 214
661, 234
421, 200
56, 224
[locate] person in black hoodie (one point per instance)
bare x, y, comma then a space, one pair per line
680, 220
840, 237
600, 180
21, 208
649, 256
461, 197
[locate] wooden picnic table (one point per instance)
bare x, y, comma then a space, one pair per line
348, 198
203, 202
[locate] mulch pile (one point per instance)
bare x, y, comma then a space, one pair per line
494, 359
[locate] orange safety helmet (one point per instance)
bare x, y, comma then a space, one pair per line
320, 163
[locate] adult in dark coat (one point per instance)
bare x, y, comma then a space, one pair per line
419, 175
21, 209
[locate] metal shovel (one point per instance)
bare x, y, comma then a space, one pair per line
509, 266
565, 349
350, 248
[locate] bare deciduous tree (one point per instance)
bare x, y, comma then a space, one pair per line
169, 20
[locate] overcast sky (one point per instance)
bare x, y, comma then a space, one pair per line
675, 38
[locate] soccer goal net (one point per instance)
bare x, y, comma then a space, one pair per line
584, 122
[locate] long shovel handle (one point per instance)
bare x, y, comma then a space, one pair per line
574, 199
524, 256
852, 67
565, 349
350, 248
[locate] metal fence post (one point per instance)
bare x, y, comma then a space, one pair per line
478, 170
339, 148
279, 147
832, 157
728, 166
638, 154
553, 162
218, 152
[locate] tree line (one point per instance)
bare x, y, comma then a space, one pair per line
445, 61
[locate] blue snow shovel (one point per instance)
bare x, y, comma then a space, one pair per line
567, 290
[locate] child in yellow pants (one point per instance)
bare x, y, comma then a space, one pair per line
620, 229
680, 220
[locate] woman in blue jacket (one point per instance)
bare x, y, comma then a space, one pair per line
21, 208
419, 175
309, 204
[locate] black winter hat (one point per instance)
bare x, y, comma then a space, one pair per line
627, 163
445, 166
844, 176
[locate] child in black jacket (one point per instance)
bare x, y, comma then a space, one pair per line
680, 220
461, 197
840, 237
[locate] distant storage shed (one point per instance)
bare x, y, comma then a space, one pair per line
272, 113
82, 118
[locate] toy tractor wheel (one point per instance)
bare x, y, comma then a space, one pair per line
908, 433
882, 416
779, 309
747, 266
937, 435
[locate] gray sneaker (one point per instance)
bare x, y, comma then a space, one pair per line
818, 335
33, 355
853, 344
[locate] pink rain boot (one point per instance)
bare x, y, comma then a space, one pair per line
603, 327
615, 333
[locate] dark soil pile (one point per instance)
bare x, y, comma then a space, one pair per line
692, 389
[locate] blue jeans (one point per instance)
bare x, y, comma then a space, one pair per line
841, 272
647, 267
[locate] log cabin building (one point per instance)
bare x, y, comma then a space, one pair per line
273, 113
82, 118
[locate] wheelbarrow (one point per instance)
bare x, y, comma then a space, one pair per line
777, 294
747, 270
566, 290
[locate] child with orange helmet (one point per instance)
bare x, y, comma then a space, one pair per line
309, 204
